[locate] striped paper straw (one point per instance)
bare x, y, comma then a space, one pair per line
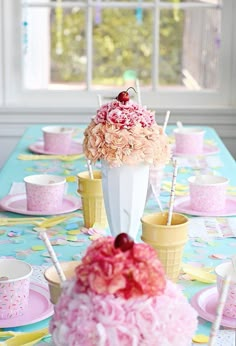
90, 169
99, 97
172, 194
166, 121
219, 310
52, 254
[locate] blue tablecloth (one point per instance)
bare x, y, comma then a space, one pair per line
26, 244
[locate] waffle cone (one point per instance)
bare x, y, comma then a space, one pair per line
91, 194
168, 241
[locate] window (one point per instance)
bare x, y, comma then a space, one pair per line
180, 51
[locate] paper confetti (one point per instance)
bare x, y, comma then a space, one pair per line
38, 247
74, 232
200, 339
218, 256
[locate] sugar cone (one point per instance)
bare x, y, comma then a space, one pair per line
92, 199
168, 241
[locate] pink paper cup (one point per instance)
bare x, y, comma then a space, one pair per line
14, 287
221, 271
57, 139
189, 140
207, 192
44, 192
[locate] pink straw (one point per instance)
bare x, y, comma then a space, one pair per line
219, 311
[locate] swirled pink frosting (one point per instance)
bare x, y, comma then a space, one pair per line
87, 319
125, 134
108, 270
126, 115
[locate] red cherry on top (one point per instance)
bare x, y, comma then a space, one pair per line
124, 95
124, 242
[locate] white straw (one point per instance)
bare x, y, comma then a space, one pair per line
219, 310
179, 125
53, 256
138, 91
172, 194
90, 169
99, 100
166, 121
233, 260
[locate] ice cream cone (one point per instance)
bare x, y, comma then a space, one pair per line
168, 241
53, 279
92, 199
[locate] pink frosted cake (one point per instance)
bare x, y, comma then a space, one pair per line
124, 132
120, 297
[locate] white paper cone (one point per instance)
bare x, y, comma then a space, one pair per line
124, 192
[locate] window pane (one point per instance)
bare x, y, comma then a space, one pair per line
189, 48
122, 47
55, 46
68, 48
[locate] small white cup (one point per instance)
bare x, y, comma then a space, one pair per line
222, 270
57, 139
189, 140
14, 287
44, 192
207, 192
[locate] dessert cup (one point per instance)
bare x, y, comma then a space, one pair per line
221, 271
44, 192
91, 194
57, 139
14, 287
207, 192
189, 140
168, 241
53, 279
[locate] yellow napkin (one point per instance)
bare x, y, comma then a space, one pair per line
31, 157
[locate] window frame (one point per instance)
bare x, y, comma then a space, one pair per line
15, 96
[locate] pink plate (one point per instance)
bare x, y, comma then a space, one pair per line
207, 150
182, 205
38, 147
39, 308
17, 204
205, 302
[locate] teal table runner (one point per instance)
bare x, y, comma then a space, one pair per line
212, 240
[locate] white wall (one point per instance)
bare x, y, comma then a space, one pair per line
13, 123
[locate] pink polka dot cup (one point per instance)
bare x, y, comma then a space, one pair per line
208, 192
14, 287
221, 271
57, 139
44, 192
189, 140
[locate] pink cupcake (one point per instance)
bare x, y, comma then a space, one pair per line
120, 296
124, 132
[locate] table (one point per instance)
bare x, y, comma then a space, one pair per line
26, 245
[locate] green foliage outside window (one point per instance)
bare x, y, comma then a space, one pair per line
122, 47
